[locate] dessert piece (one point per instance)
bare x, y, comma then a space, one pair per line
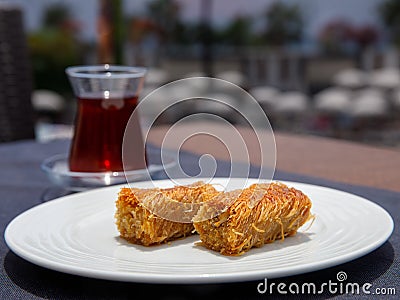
138, 212
259, 214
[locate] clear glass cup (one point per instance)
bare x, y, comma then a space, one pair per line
107, 96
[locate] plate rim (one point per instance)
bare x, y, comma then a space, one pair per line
198, 278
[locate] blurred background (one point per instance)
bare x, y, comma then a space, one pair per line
327, 68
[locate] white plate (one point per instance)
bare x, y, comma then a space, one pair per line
76, 234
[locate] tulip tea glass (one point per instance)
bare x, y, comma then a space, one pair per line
107, 96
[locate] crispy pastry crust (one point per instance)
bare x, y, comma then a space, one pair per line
139, 225
261, 214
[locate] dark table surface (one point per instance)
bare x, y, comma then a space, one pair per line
23, 184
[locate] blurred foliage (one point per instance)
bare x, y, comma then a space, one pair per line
161, 21
284, 24
390, 13
364, 36
334, 37
238, 32
339, 37
165, 15
53, 48
118, 31
141, 28
55, 16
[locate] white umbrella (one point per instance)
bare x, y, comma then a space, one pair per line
199, 85
265, 95
350, 78
291, 102
387, 78
333, 100
396, 97
156, 77
46, 100
234, 77
369, 102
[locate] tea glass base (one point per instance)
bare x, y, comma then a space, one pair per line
57, 170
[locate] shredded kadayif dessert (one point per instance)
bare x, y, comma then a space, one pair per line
137, 223
260, 214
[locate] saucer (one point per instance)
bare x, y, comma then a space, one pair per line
57, 170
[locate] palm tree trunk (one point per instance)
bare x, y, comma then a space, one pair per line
110, 32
